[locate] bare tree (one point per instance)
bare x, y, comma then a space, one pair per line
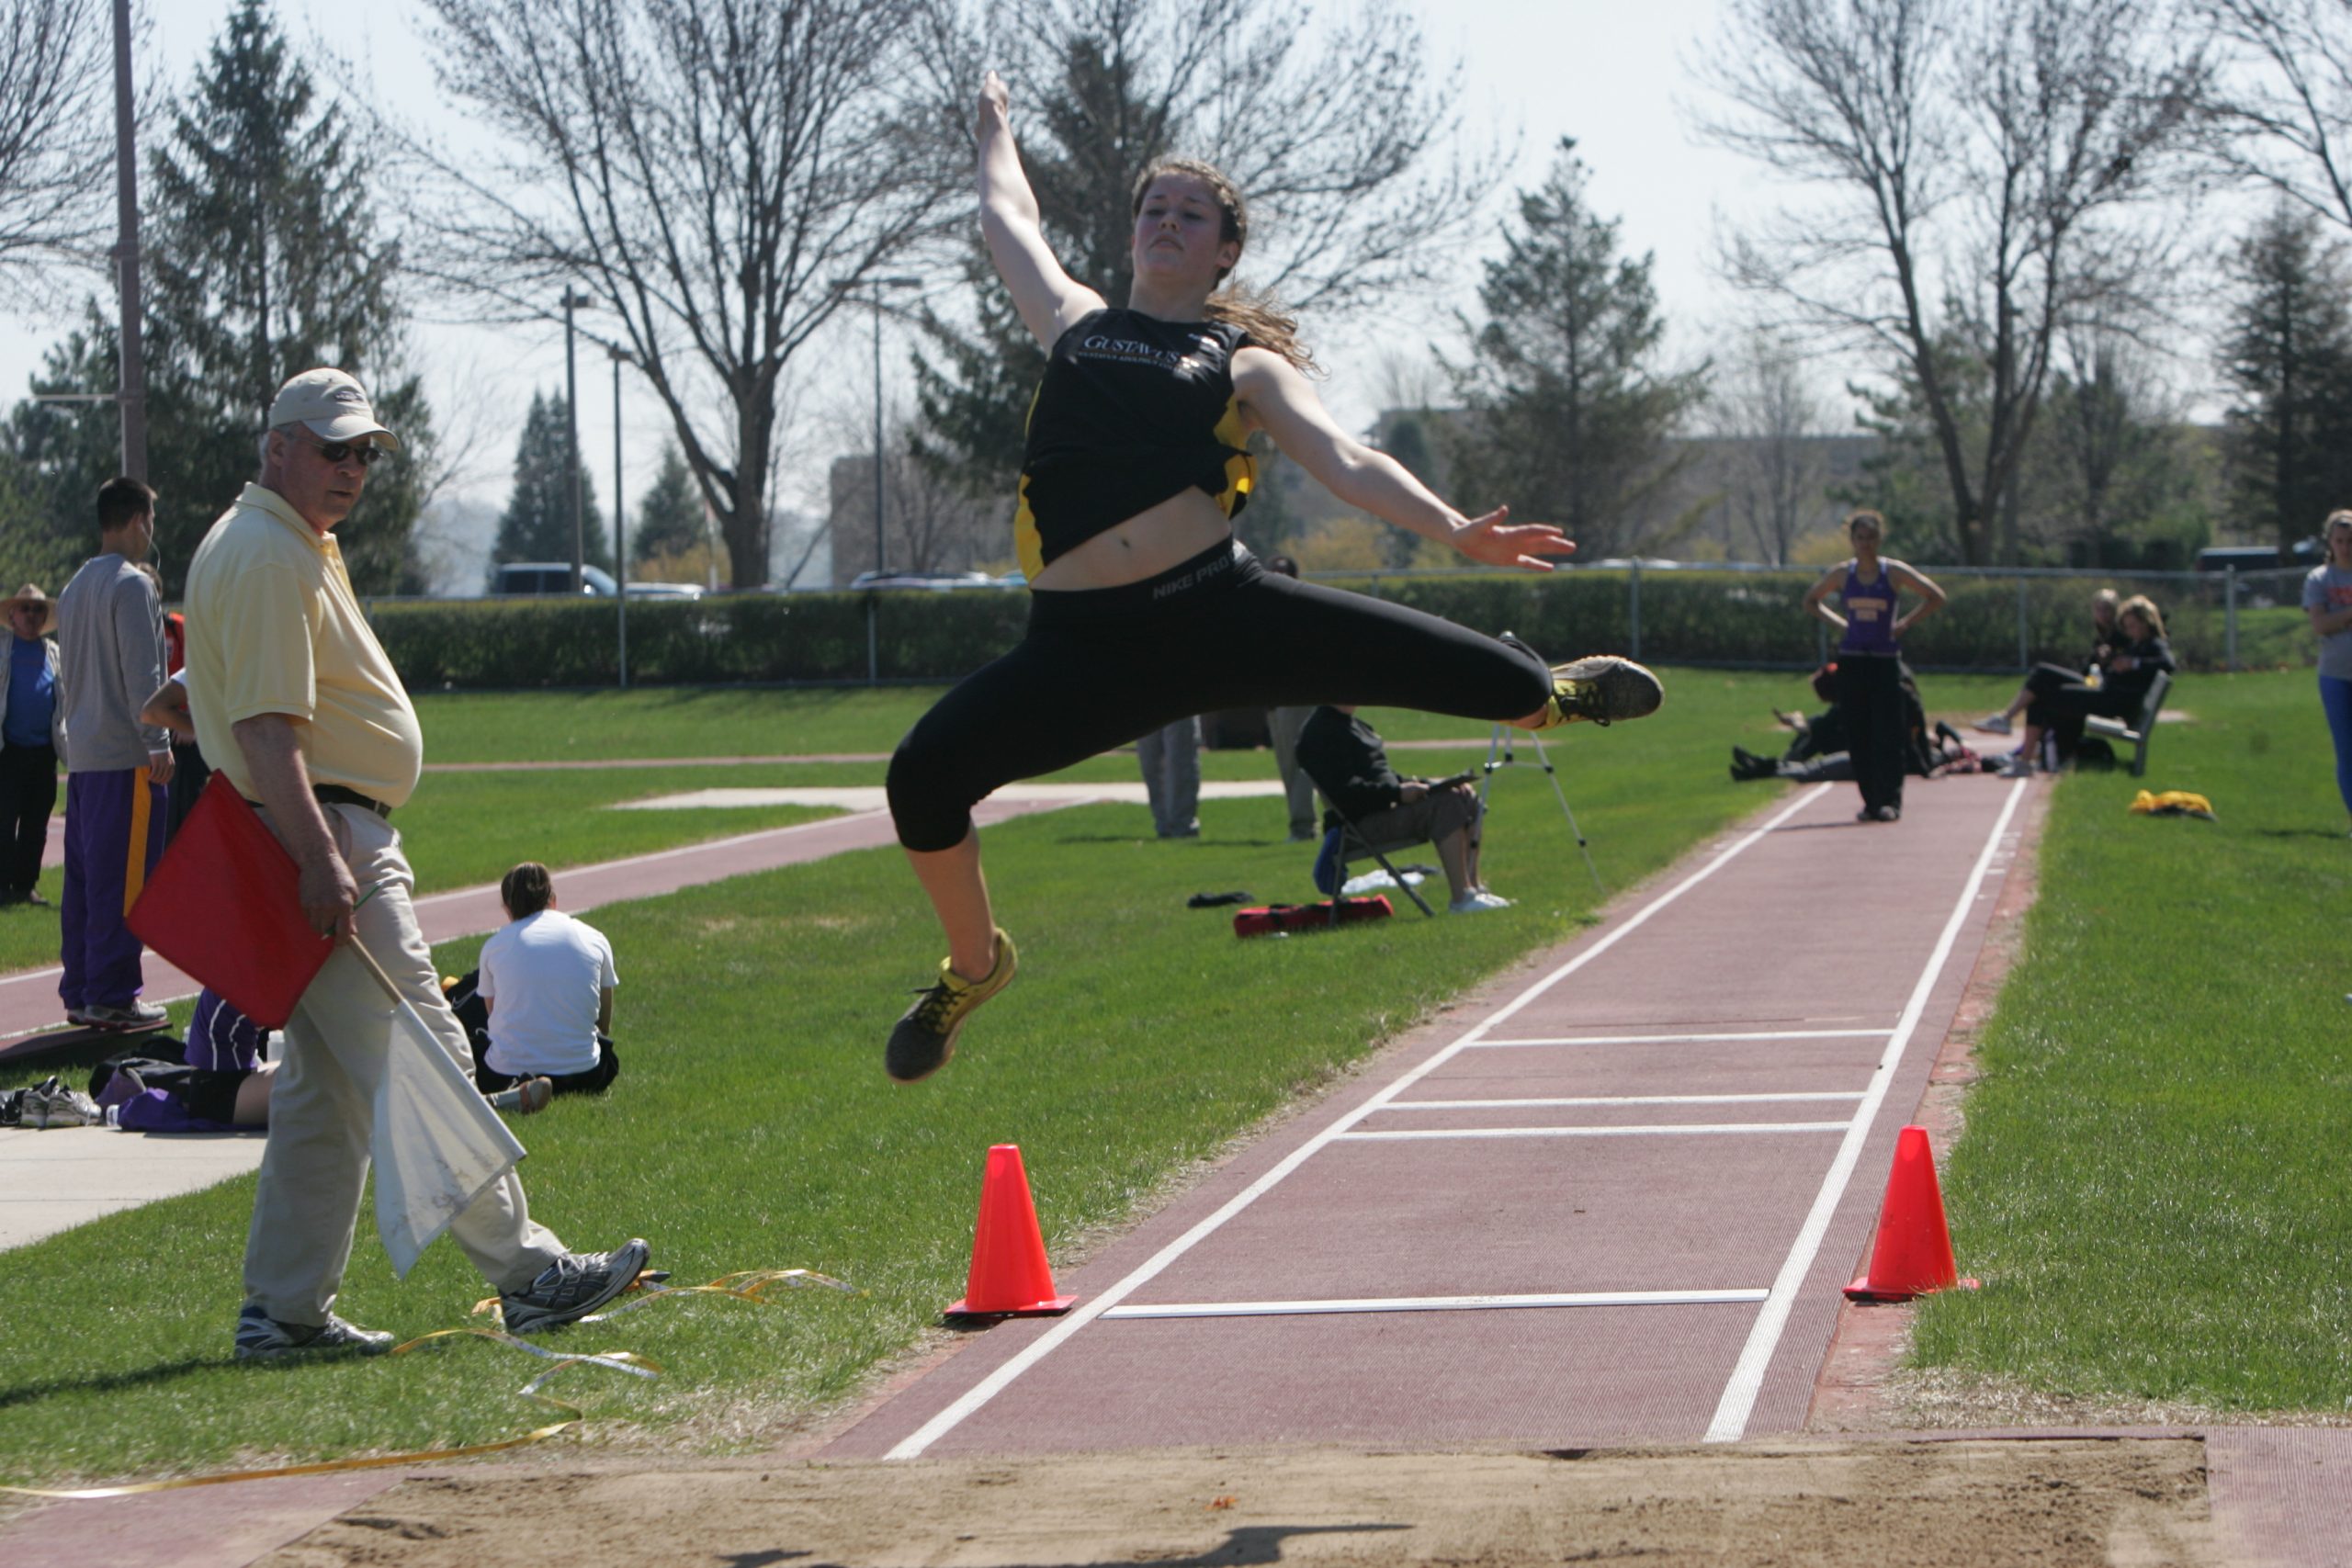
718, 175
1762, 409
1344, 142
1979, 158
2284, 118
1339, 135
56, 135
930, 523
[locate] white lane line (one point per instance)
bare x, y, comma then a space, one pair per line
1435, 1304
1774, 1098
1663, 1129
1046, 1344
1687, 1039
1738, 1399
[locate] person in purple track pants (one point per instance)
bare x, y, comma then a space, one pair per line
110, 633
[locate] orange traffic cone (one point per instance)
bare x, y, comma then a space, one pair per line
1010, 1275
1912, 1254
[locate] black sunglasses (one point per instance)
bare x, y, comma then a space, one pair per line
336, 451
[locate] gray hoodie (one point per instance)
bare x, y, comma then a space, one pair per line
110, 631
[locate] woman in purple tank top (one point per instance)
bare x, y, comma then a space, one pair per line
1869, 671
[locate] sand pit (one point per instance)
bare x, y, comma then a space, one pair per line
1823, 1505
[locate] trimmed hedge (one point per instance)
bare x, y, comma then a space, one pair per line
1686, 618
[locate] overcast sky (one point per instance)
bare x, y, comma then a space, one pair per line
1610, 75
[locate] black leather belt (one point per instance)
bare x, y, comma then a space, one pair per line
335, 794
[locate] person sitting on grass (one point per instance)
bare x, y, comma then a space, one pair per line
1344, 757
545, 988
224, 1093
2045, 677
1818, 751
2059, 712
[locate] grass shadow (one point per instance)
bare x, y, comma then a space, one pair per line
112, 1382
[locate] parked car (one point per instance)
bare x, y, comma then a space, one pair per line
2307, 553
541, 577
937, 582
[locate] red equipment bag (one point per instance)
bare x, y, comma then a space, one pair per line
1275, 920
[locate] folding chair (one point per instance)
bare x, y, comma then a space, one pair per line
1344, 844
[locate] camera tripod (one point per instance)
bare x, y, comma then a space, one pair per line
1501, 752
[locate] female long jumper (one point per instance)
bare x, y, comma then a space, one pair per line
1145, 609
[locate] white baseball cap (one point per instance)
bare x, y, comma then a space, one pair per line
333, 405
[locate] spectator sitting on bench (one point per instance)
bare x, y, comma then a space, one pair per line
1344, 757
2044, 678
2120, 691
546, 990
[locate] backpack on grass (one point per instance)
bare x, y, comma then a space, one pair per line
1281, 919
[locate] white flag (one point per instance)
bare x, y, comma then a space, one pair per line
439, 1145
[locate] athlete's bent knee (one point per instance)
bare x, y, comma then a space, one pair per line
929, 812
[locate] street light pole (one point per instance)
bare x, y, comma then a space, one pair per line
620, 555
873, 632
133, 366
571, 302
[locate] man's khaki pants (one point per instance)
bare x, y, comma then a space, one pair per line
322, 1109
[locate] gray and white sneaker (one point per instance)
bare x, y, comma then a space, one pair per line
1477, 902
52, 1104
132, 1014
261, 1337
573, 1286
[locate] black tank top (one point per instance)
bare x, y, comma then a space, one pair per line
1132, 410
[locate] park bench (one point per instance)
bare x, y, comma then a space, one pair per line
2135, 735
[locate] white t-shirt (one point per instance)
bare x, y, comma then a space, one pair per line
545, 974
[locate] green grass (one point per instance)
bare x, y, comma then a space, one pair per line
2152, 1182
753, 1125
479, 824
667, 721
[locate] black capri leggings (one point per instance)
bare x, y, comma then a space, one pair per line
1102, 668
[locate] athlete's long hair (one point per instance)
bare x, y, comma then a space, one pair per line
1256, 312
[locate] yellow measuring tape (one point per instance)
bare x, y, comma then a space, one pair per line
746, 1284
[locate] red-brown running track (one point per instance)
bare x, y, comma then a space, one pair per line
1612, 1202
1671, 1131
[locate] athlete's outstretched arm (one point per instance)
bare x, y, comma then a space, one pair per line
1048, 298
1279, 400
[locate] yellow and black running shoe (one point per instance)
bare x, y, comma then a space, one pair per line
1602, 688
922, 1041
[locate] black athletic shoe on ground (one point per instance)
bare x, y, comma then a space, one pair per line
261, 1337
922, 1040
573, 1286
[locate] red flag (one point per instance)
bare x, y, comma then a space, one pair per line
225, 903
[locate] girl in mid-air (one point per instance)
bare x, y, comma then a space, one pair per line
1144, 608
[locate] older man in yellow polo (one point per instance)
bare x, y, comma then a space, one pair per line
296, 702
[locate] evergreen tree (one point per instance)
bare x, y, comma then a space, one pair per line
1568, 415
669, 514
537, 524
266, 263
2289, 353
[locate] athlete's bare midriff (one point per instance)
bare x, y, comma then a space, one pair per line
1144, 546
